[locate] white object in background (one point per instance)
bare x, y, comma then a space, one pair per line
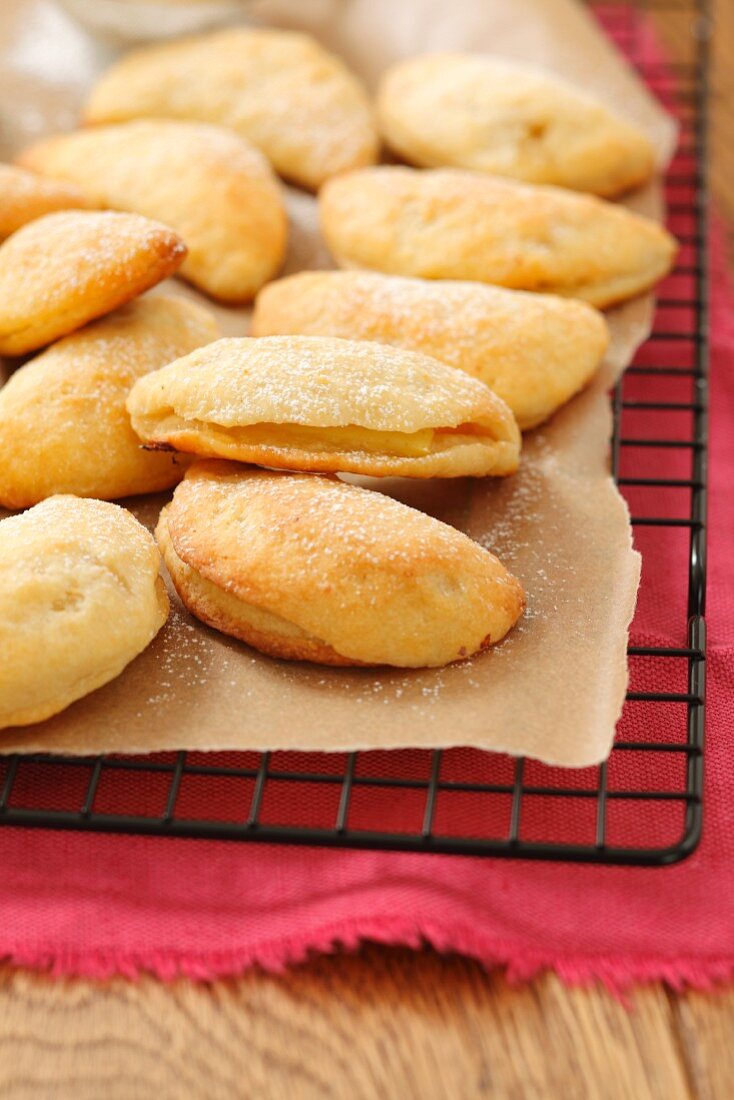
127, 21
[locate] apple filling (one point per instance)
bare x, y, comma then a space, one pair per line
349, 438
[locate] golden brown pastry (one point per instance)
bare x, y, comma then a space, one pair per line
449, 224
473, 111
534, 350
26, 195
64, 427
310, 568
279, 89
80, 597
313, 403
214, 189
62, 270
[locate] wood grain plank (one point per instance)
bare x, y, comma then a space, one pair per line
674, 31
705, 1026
722, 115
384, 1023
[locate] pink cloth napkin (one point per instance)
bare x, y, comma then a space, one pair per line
101, 905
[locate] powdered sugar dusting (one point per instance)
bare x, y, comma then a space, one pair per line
316, 381
454, 224
534, 349
281, 90
26, 196
57, 259
331, 522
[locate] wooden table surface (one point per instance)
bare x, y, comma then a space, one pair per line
387, 1022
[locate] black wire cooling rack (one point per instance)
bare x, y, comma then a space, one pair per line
643, 806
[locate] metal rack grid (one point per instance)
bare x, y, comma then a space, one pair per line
643, 806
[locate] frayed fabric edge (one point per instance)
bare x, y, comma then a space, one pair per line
617, 973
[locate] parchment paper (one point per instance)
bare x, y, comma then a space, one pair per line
554, 688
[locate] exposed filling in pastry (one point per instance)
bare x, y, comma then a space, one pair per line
333, 439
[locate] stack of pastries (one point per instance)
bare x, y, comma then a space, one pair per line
465, 313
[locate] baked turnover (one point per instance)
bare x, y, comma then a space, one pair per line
452, 224
534, 350
80, 597
311, 568
26, 195
216, 190
62, 270
281, 90
64, 427
473, 111
314, 403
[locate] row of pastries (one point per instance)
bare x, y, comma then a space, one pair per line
463, 314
